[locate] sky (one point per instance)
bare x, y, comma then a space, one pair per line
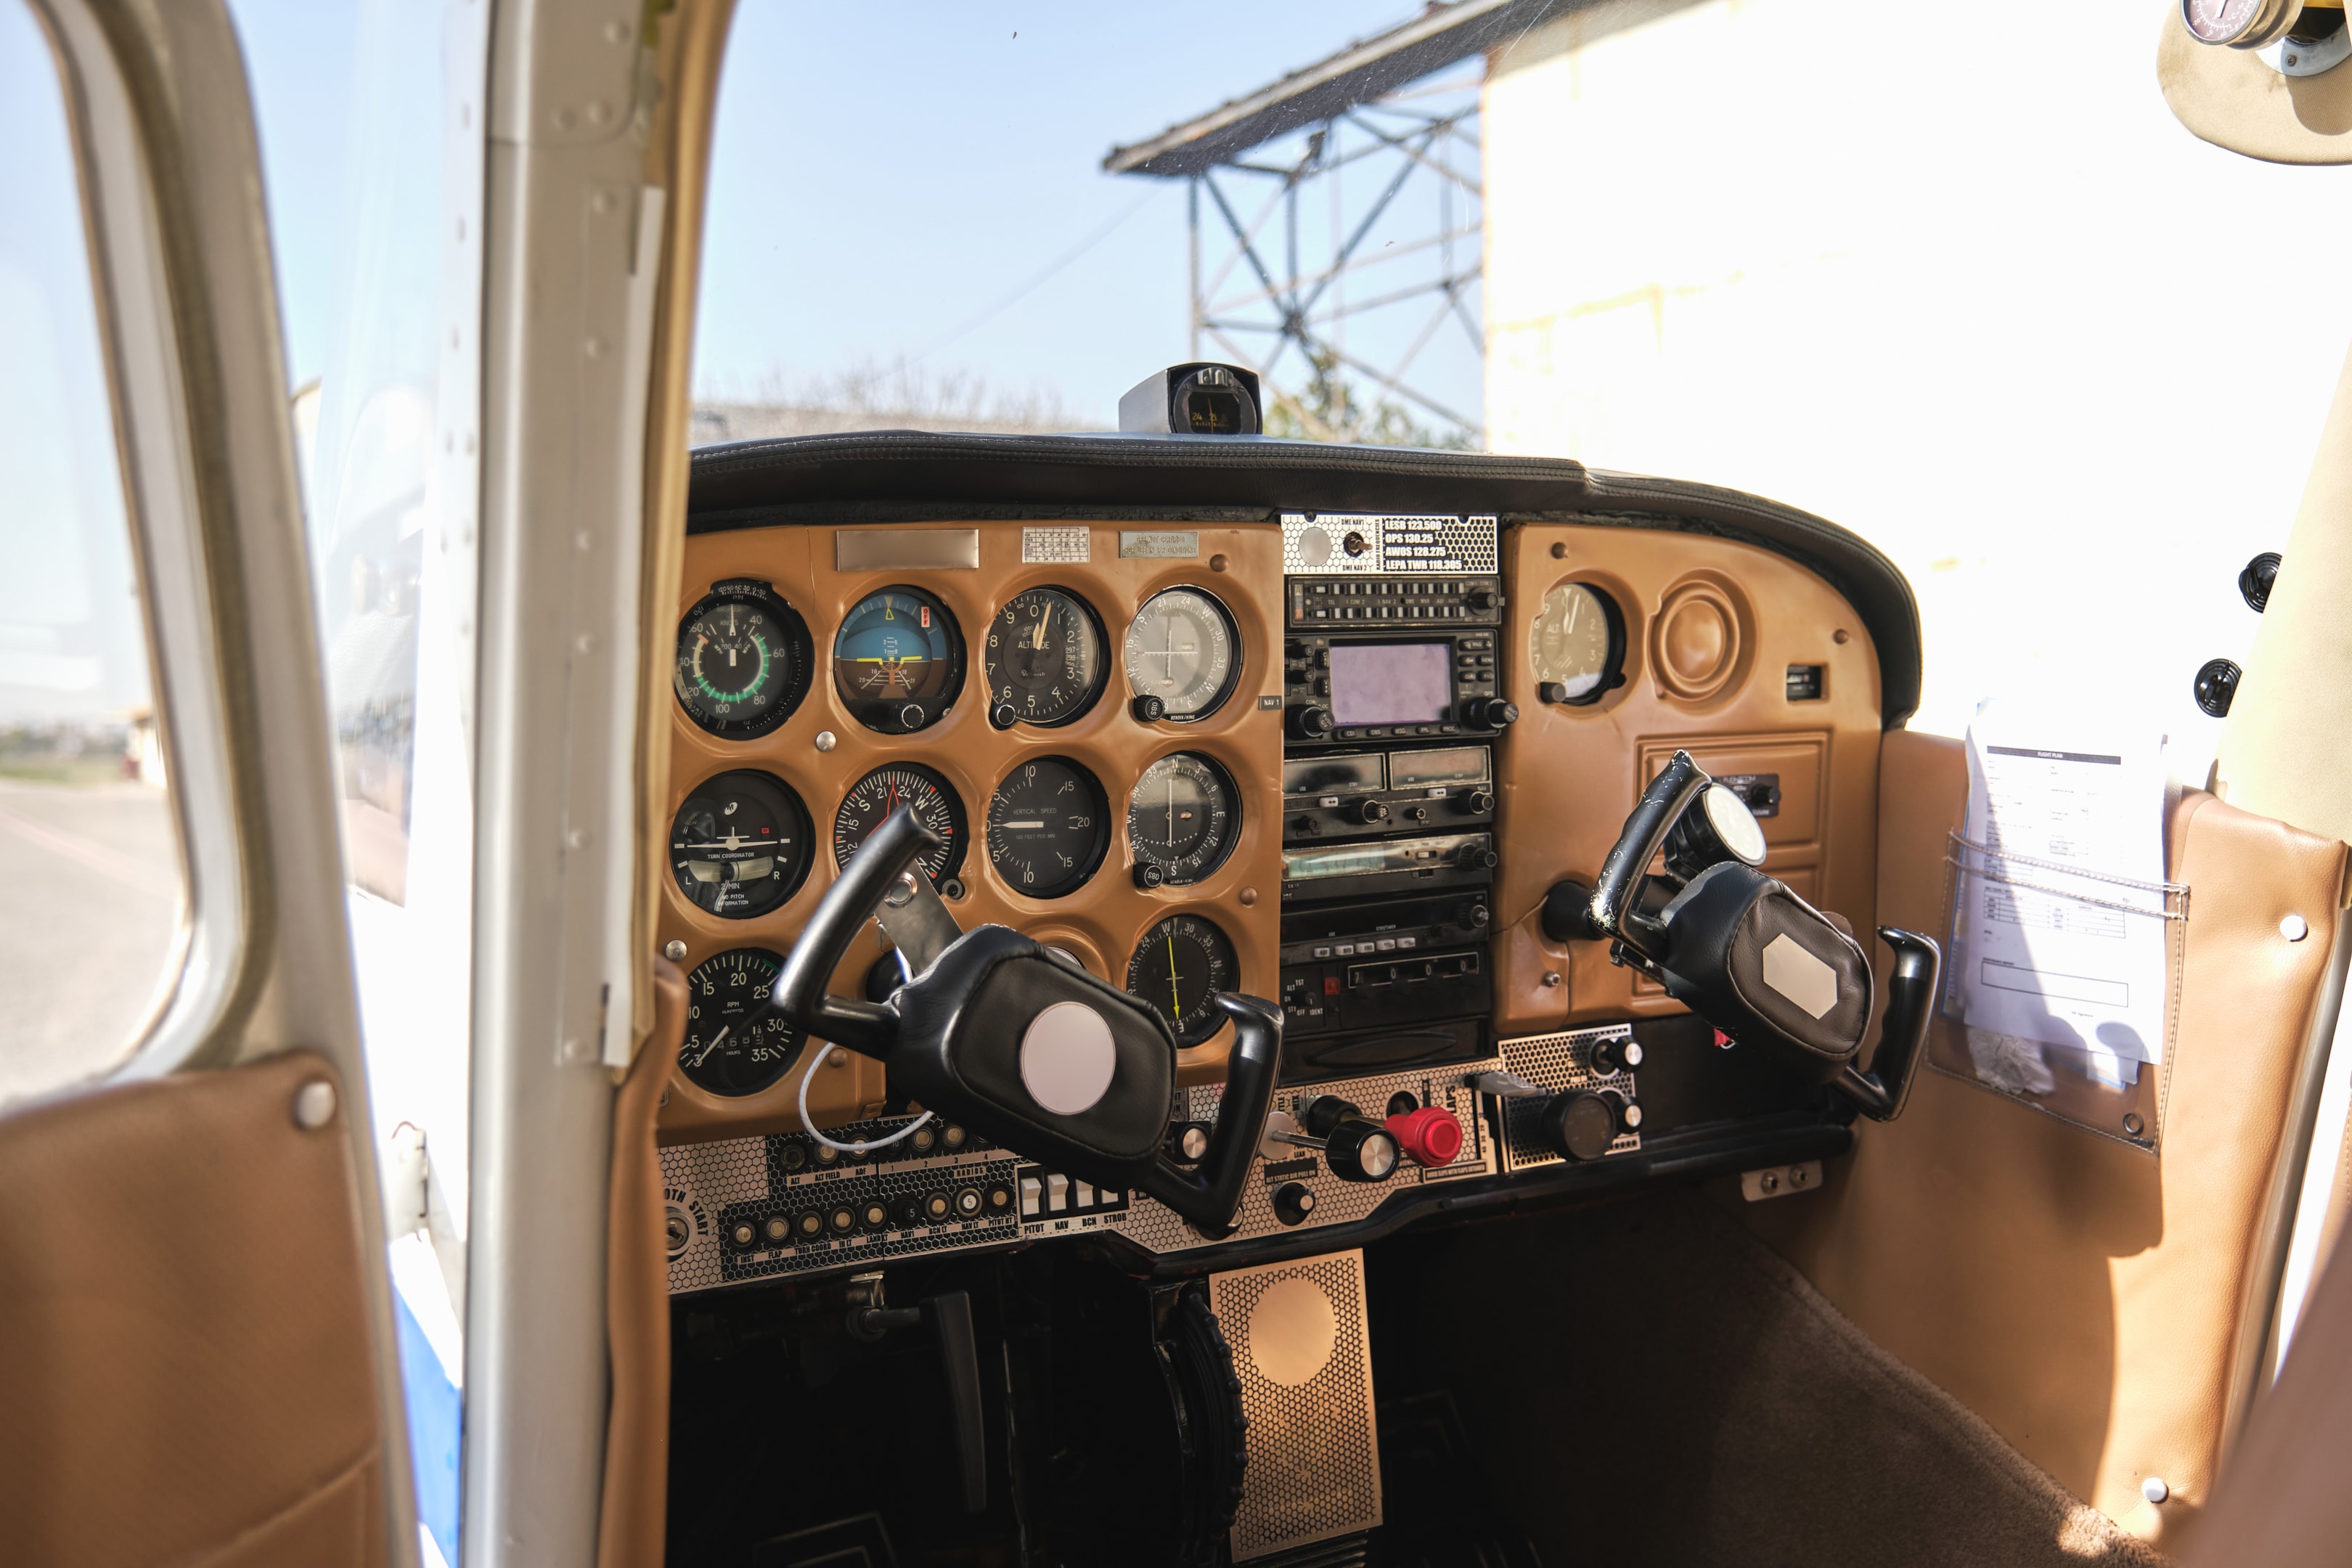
884, 179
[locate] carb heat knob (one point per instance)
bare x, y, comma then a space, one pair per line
1430, 1137
1360, 1151
1581, 1125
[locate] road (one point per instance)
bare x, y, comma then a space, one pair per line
89, 899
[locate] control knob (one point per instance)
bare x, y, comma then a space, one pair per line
1148, 709
1371, 811
1479, 599
1310, 722
1582, 1124
1430, 1136
1493, 712
1358, 1149
1612, 1057
1480, 801
1293, 1202
1361, 1151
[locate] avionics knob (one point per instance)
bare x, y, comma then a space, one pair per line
1582, 1126
1148, 709
1361, 1151
1480, 801
1479, 599
1430, 1137
1494, 712
1293, 1202
1310, 722
1371, 811
911, 716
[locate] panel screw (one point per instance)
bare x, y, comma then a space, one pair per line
827, 740
2133, 1124
1769, 1180
1559, 551
1217, 564
314, 1105
2294, 928
2154, 1490
674, 951
1551, 977
1249, 897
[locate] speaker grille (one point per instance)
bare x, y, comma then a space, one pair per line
1314, 1443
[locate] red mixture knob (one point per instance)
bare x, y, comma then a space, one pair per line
1430, 1135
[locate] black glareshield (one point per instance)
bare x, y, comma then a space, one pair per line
983, 1033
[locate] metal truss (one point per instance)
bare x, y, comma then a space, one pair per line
1306, 302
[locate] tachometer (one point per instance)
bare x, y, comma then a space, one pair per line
1045, 660
872, 799
734, 1045
1180, 963
1182, 817
1048, 826
1183, 651
741, 845
898, 661
1577, 645
744, 660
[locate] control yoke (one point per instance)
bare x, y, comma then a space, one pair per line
1025, 1049
1749, 955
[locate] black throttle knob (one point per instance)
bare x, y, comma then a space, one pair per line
1361, 1151
1324, 1112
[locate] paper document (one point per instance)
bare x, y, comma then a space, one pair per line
2061, 935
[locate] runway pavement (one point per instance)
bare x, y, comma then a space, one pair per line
89, 898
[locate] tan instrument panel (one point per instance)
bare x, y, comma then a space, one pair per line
1750, 662
1757, 666
821, 752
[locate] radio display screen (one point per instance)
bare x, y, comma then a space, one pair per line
1391, 683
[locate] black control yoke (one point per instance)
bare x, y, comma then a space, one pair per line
1712, 945
1028, 1050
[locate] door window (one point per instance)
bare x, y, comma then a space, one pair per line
92, 881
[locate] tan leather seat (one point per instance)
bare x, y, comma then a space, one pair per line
2282, 1501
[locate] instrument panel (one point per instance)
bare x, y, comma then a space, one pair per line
1088, 716
1341, 772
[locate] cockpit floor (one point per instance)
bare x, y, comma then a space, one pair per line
1650, 1384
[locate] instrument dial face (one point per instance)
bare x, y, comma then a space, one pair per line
2219, 21
741, 845
898, 661
1578, 643
1183, 816
734, 1045
744, 660
872, 799
1182, 649
1048, 826
1045, 658
1180, 963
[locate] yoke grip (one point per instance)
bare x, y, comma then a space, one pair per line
801, 993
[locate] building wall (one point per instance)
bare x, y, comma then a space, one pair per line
1979, 297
